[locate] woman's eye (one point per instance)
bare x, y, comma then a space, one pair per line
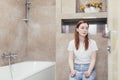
82, 27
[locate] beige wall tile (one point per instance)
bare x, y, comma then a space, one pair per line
32, 41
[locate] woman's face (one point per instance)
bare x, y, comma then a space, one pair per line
83, 29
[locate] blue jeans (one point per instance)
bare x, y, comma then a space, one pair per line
80, 69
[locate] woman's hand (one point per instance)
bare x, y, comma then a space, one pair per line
92, 64
73, 73
87, 73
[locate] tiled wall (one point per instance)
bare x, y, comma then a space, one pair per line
62, 68
32, 41
12, 29
42, 31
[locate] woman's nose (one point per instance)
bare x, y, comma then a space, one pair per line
85, 29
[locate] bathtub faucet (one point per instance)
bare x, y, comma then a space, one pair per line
9, 55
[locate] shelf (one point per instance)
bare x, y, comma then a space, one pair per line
85, 2
84, 15
68, 25
68, 21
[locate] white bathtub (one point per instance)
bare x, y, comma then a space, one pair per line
30, 70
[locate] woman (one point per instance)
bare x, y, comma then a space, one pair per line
82, 54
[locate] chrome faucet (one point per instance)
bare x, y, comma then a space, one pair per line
9, 55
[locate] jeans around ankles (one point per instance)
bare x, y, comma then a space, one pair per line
80, 69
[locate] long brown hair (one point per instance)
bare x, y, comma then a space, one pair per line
76, 35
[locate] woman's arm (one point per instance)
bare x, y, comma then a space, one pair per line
71, 64
92, 64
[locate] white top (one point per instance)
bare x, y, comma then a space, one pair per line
81, 56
